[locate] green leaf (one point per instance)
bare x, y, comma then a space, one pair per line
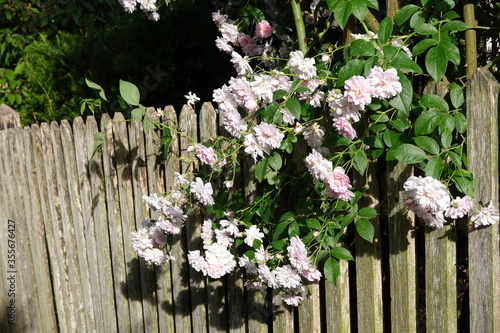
279, 94
261, 170
434, 167
402, 62
341, 253
137, 113
360, 162
427, 143
425, 29
460, 122
451, 50
445, 5
436, 63
294, 107
372, 4
288, 216
434, 102
365, 229
313, 224
455, 26
456, 95
353, 67
279, 244
147, 123
359, 9
424, 45
446, 122
258, 14
275, 161
404, 14
464, 182
332, 4
342, 12
361, 47
368, 212
455, 158
409, 154
403, 100
427, 122
294, 229
418, 18
331, 270
130, 93
446, 138
385, 30
94, 85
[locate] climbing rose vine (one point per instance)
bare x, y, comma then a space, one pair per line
308, 114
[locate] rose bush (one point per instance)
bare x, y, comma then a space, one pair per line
311, 111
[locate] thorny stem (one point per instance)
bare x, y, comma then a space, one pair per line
299, 25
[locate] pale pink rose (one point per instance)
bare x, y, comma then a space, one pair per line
297, 254
252, 234
223, 45
384, 84
303, 67
268, 136
263, 29
459, 207
318, 166
485, 216
338, 184
248, 44
287, 277
230, 32
342, 108
218, 18
156, 256
292, 300
241, 64
206, 155
344, 128
358, 91
202, 192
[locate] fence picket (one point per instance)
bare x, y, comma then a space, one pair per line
5, 326
482, 149
76, 218
140, 188
36, 231
98, 196
83, 179
402, 259
43, 157
115, 227
368, 259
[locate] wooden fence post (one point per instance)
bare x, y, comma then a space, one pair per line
9, 118
402, 259
482, 154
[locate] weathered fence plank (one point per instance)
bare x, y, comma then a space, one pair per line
131, 286
24, 282
83, 179
76, 219
189, 128
5, 300
402, 261
140, 188
156, 184
115, 228
47, 190
36, 231
482, 153
217, 305
368, 260
93, 163
67, 228
338, 308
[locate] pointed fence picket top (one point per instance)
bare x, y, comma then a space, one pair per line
482, 153
75, 210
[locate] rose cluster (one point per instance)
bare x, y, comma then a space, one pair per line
430, 200
147, 6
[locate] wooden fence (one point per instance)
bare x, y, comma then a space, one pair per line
69, 216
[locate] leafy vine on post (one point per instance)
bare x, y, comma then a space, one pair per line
351, 104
